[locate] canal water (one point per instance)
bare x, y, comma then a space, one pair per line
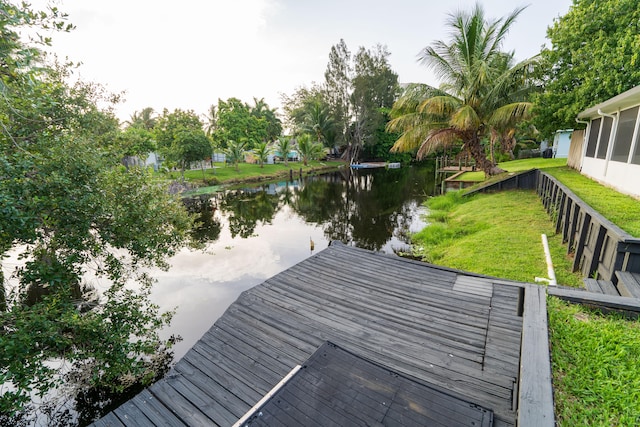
255, 232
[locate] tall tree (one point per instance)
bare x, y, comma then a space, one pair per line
593, 57
144, 119
375, 89
297, 106
483, 88
319, 123
338, 87
71, 211
212, 121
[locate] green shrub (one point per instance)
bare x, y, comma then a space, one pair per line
446, 202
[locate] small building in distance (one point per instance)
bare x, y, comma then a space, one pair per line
611, 151
561, 143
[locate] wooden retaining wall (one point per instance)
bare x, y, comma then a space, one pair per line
527, 180
600, 248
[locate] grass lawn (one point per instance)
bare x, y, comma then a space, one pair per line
513, 166
222, 174
535, 163
596, 377
496, 234
622, 210
472, 176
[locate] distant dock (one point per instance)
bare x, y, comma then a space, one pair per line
374, 165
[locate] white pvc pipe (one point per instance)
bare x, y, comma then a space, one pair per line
266, 397
550, 272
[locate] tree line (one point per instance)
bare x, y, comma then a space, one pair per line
345, 115
488, 105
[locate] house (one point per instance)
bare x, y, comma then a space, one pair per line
154, 160
561, 143
611, 151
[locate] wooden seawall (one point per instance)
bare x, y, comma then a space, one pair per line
453, 332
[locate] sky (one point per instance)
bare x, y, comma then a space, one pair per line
187, 54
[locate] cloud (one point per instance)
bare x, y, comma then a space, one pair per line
188, 54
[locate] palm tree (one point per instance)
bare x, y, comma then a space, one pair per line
262, 111
483, 89
283, 147
318, 122
235, 153
212, 120
262, 151
147, 118
144, 119
134, 120
308, 149
259, 107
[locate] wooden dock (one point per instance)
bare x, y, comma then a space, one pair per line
456, 333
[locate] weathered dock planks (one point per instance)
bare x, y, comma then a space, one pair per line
535, 407
460, 333
338, 388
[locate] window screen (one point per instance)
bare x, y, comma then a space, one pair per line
624, 135
604, 138
593, 137
636, 156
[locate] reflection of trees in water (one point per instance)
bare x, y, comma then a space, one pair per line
247, 208
207, 227
364, 207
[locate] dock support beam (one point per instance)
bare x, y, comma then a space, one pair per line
535, 395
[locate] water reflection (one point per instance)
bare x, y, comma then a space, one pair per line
254, 233
366, 209
363, 208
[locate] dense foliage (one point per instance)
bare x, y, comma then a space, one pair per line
79, 227
234, 120
181, 138
595, 55
349, 109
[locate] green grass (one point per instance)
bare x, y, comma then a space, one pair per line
596, 375
247, 172
514, 166
472, 176
497, 234
622, 210
535, 163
